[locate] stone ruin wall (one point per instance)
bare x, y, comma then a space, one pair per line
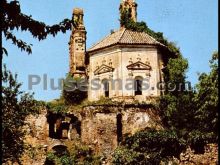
104, 127
100, 129
190, 157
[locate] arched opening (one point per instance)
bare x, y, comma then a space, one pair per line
105, 87
119, 128
138, 85
63, 126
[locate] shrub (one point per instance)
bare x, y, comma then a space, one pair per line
149, 147
74, 90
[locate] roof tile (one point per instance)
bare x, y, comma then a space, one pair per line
125, 36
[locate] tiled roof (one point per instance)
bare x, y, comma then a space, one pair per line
125, 36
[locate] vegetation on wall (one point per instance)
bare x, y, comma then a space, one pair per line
189, 115
190, 119
72, 98
57, 106
128, 23
74, 90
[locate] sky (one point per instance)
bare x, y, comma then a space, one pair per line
191, 24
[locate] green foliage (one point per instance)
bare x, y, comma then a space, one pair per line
83, 155
175, 72
149, 147
192, 111
13, 19
17, 105
123, 155
77, 154
177, 106
104, 101
206, 99
74, 90
190, 117
178, 112
182, 110
57, 106
197, 139
52, 158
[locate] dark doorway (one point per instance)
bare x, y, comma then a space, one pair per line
119, 128
138, 86
76, 124
106, 88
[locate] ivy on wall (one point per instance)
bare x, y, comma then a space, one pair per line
128, 23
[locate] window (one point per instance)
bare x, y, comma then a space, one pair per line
138, 85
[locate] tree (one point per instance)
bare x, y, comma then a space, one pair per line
206, 99
13, 19
148, 147
177, 107
16, 106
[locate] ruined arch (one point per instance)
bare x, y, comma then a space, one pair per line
63, 126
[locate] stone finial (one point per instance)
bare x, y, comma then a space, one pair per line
78, 11
131, 5
78, 16
129, 1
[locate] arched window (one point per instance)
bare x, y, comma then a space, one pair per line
138, 85
105, 87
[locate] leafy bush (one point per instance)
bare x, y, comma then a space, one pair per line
149, 147
197, 140
74, 90
52, 158
57, 106
207, 99
84, 155
76, 153
123, 155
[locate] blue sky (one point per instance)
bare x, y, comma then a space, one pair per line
192, 24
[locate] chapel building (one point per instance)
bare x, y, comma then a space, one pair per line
125, 65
